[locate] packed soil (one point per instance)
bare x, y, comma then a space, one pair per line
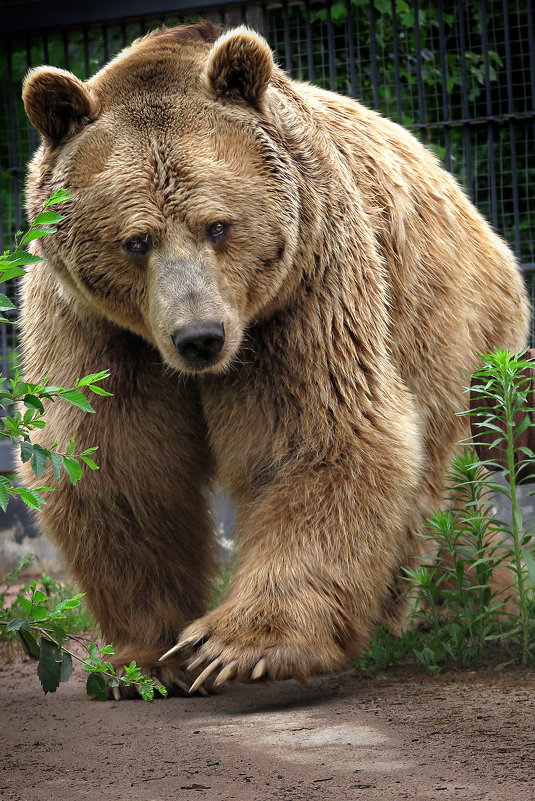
340, 737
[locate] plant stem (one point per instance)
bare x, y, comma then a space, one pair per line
508, 394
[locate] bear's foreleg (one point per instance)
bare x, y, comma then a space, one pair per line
319, 546
136, 534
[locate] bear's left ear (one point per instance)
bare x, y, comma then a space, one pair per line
240, 65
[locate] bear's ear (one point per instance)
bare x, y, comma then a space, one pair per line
240, 65
57, 103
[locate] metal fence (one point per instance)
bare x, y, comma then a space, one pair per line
460, 74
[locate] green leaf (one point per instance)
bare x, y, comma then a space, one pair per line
5, 303
49, 668
33, 402
77, 398
90, 463
22, 257
66, 667
26, 451
96, 686
28, 643
4, 497
38, 614
72, 446
39, 460
61, 196
73, 468
56, 461
146, 691
68, 603
27, 604
30, 497
36, 234
7, 273
99, 391
108, 649
48, 218
16, 623
93, 378
530, 564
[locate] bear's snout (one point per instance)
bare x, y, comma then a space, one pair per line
200, 343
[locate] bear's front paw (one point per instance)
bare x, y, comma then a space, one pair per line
244, 647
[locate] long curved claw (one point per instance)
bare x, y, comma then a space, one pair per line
225, 674
115, 691
182, 684
196, 662
178, 647
204, 675
259, 669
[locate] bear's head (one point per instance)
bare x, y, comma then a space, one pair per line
185, 212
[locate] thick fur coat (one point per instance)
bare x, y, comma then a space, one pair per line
290, 294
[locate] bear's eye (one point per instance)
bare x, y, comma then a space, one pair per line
216, 230
138, 245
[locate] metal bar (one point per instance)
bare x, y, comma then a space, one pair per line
520, 116
330, 48
350, 49
444, 76
105, 43
64, 13
86, 53
512, 132
373, 56
265, 22
15, 186
13, 137
419, 76
33, 134
531, 43
310, 57
399, 108
488, 100
4, 357
66, 57
464, 101
287, 41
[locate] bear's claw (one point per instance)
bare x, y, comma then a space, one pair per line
206, 672
225, 674
259, 669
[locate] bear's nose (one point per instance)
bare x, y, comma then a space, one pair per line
200, 343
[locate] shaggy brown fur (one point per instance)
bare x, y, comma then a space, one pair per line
355, 283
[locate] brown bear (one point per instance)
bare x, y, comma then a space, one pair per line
290, 294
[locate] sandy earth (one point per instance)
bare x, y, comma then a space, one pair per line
458, 736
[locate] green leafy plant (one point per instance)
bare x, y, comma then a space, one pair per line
41, 631
18, 425
474, 603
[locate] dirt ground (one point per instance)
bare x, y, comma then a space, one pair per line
342, 737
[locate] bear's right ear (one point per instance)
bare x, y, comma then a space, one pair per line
57, 103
